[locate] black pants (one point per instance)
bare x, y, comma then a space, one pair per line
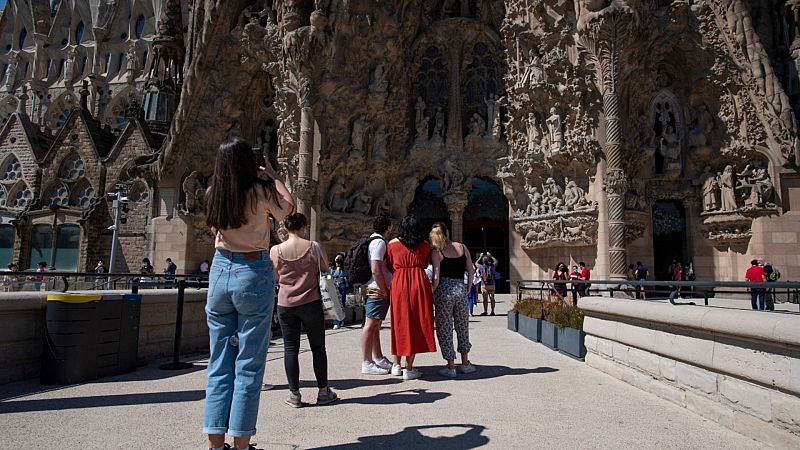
309, 316
755, 295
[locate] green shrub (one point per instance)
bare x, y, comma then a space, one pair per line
558, 313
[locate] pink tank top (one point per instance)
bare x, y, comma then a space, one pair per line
299, 279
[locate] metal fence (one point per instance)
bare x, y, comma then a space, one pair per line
710, 293
31, 281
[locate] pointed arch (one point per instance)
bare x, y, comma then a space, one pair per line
72, 167
11, 169
59, 110
20, 196
83, 194
57, 194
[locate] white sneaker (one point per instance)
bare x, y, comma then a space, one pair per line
369, 368
447, 372
383, 363
466, 368
397, 370
412, 374
337, 326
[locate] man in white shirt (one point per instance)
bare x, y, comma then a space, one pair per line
377, 302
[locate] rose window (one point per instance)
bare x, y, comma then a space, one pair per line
12, 171
59, 196
73, 168
22, 198
139, 193
84, 196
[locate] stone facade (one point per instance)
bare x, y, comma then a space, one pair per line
546, 131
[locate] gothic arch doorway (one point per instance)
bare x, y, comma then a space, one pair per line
486, 226
428, 204
669, 237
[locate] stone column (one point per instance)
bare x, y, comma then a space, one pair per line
603, 32
456, 203
454, 132
304, 185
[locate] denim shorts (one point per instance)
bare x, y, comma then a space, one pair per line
375, 307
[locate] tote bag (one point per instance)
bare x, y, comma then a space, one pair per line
331, 304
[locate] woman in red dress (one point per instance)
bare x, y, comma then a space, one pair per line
411, 298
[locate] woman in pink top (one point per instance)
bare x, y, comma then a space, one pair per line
241, 289
298, 263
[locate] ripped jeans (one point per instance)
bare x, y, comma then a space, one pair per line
239, 314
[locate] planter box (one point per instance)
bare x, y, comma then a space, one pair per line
530, 328
513, 323
571, 342
549, 335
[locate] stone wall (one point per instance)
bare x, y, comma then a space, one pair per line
738, 368
22, 327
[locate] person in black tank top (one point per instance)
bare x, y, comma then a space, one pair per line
451, 261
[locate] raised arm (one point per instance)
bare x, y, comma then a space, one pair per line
286, 202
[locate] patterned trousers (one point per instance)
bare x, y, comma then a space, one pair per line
450, 306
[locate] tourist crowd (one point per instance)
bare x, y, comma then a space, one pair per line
248, 264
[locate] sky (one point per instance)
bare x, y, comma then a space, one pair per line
2, 4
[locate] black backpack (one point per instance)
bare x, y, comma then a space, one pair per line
356, 261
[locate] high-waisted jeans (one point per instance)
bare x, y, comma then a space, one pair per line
241, 290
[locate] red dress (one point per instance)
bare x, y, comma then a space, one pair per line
411, 299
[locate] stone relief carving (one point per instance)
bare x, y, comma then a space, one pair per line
193, 193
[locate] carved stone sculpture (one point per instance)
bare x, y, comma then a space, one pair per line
727, 185
670, 150
379, 85
357, 136
337, 201
438, 127
556, 135
360, 202
379, 143
193, 192
760, 187
711, 190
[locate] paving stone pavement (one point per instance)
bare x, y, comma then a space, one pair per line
523, 396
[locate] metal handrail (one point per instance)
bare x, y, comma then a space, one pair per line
673, 289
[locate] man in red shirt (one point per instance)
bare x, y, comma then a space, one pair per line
755, 274
583, 288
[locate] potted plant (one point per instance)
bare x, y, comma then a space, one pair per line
554, 323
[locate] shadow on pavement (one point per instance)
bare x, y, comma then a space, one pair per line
345, 384
55, 404
409, 397
483, 372
412, 437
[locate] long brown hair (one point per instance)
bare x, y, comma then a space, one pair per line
233, 186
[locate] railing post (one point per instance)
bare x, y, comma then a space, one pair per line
176, 364
135, 286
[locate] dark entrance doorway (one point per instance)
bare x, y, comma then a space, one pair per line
486, 226
428, 204
669, 237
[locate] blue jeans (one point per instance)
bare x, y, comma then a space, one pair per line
240, 301
473, 297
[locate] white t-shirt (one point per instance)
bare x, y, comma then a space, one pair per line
377, 251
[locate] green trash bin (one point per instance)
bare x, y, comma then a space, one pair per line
90, 336
71, 339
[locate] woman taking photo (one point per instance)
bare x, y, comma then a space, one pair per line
298, 263
411, 300
240, 290
450, 295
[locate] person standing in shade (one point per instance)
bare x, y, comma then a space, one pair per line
340, 280
773, 275
376, 304
170, 270
407, 256
486, 267
640, 274
573, 277
240, 290
100, 267
298, 263
756, 274
10, 280
450, 260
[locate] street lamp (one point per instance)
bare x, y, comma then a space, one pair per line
120, 201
